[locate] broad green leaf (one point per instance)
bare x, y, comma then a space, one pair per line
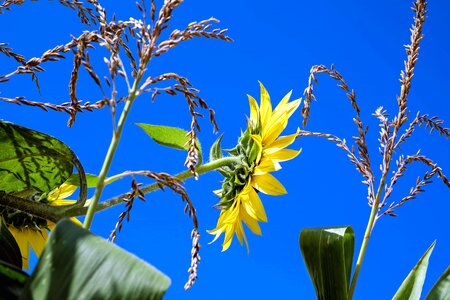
31, 161
77, 264
9, 250
216, 151
91, 180
12, 281
441, 289
328, 254
411, 288
172, 137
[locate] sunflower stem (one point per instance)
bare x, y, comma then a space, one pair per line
211, 166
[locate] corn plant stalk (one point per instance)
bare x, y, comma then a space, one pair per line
110, 155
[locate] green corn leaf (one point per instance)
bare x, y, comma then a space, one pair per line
328, 254
12, 281
411, 288
441, 289
31, 161
172, 137
77, 264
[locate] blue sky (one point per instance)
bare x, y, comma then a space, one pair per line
275, 42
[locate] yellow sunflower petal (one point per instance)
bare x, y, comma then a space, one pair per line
62, 202
280, 111
240, 233
231, 214
63, 191
37, 240
292, 106
257, 139
281, 106
254, 110
248, 207
270, 133
266, 106
279, 120
268, 184
266, 165
21, 238
76, 221
51, 225
284, 154
217, 232
280, 143
229, 232
250, 222
257, 206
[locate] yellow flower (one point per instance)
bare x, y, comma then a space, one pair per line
36, 236
263, 149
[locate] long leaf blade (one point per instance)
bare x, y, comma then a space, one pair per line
12, 281
441, 289
172, 137
328, 254
77, 264
411, 287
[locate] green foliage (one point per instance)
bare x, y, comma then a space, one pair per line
77, 264
172, 137
91, 180
12, 281
411, 287
441, 289
216, 151
328, 254
31, 161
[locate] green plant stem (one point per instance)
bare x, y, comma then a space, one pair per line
213, 165
367, 234
109, 156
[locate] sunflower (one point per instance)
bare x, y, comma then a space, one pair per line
262, 149
29, 231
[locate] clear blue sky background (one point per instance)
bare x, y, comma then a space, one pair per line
276, 42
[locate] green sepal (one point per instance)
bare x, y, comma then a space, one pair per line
216, 151
411, 287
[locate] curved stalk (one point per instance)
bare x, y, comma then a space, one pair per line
367, 234
109, 156
213, 165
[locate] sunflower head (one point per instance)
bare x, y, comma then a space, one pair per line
261, 149
31, 231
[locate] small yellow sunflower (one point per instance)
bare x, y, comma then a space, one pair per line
262, 150
32, 232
